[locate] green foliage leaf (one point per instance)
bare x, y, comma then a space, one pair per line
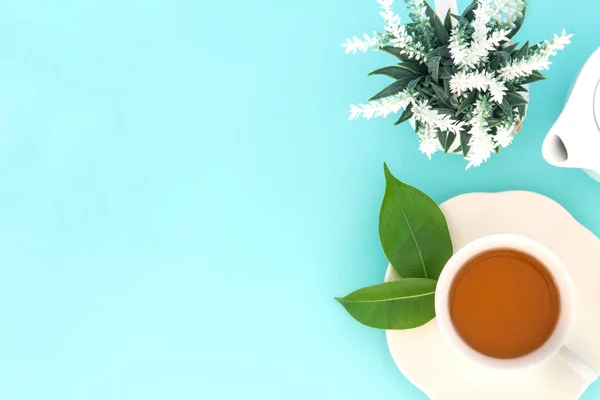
446, 139
506, 108
413, 67
442, 51
536, 76
510, 48
429, 92
413, 231
433, 65
523, 51
396, 52
462, 20
441, 96
402, 304
468, 13
464, 142
392, 89
503, 56
466, 103
413, 84
440, 32
406, 115
448, 22
395, 72
515, 99
522, 109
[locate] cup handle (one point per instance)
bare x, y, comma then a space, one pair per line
587, 373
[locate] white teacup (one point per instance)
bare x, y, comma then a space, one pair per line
553, 345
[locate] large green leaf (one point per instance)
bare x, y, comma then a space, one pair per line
433, 65
522, 51
534, 77
468, 12
406, 115
396, 52
506, 108
515, 99
465, 137
438, 27
413, 231
402, 304
392, 89
395, 72
466, 103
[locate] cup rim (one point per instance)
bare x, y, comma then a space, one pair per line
524, 244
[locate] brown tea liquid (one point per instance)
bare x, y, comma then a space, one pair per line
504, 303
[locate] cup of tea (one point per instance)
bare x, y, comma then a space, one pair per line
506, 301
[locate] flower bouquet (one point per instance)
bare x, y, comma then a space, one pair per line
462, 82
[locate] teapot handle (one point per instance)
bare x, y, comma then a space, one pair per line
442, 7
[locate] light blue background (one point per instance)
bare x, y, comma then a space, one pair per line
182, 196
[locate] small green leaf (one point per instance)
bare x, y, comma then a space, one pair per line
510, 48
523, 51
522, 108
503, 56
466, 103
440, 32
433, 65
534, 77
465, 137
427, 91
492, 122
395, 72
441, 95
521, 88
413, 231
462, 20
448, 22
396, 52
494, 64
406, 115
506, 108
445, 73
442, 51
515, 99
468, 13
403, 304
392, 89
446, 139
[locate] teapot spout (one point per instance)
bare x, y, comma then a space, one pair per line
562, 148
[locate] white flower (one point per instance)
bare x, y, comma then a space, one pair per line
428, 141
357, 44
482, 41
463, 81
504, 135
539, 60
481, 147
428, 116
381, 108
505, 13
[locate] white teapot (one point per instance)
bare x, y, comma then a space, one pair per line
574, 139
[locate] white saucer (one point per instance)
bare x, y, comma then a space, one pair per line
441, 373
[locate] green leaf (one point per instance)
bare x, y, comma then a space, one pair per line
396, 52
494, 64
492, 122
446, 139
523, 51
406, 115
506, 108
440, 32
395, 72
413, 84
521, 88
433, 65
448, 22
441, 96
442, 51
466, 103
536, 76
468, 13
464, 142
510, 48
413, 231
515, 99
522, 109
416, 68
426, 90
461, 20
392, 89
503, 56
402, 304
